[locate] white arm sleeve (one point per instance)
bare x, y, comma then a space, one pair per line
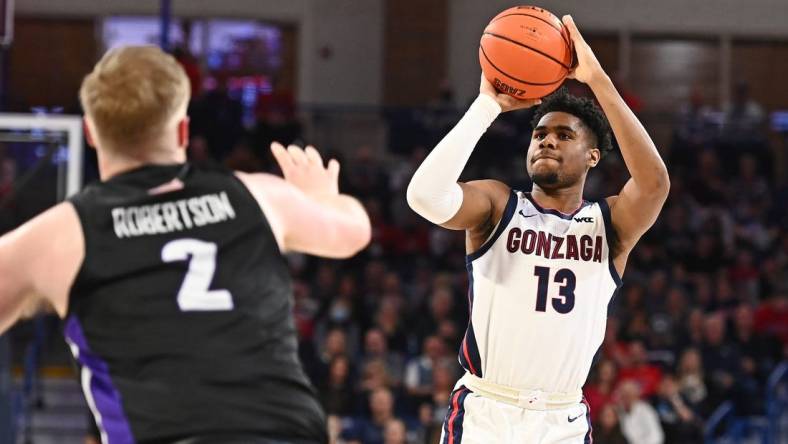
433, 191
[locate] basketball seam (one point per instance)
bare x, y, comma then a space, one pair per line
512, 77
561, 32
568, 68
529, 47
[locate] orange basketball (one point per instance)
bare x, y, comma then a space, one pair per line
526, 52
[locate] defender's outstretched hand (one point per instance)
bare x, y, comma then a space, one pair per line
588, 68
505, 101
305, 170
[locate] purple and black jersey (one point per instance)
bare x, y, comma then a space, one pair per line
181, 316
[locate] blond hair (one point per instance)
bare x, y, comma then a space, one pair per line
133, 93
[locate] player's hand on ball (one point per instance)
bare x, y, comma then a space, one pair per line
505, 101
588, 68
305, 169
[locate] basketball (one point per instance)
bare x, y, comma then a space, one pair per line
526, 52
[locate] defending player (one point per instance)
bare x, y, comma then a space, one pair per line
544, 264
170, 278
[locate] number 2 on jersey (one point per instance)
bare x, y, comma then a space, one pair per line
567, 291
194, 294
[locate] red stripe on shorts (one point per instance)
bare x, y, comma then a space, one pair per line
590, 435
467, 355
454, 413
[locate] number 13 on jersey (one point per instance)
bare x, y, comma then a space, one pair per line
566, 300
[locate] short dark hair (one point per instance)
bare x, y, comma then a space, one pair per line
582, 108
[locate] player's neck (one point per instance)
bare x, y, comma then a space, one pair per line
111, 165
565, 200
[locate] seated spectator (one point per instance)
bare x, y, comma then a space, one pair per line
725, 299
449, 332
750, 183
694, 330
678, 420
437, 308
639, 421
613, 348
334, 424
638, 329
388, 321
334, 345
600, 392
444, 375
394, 432
763, 349
429, 430
336, 393
744, 275
720, 358
374, 376
607, 430
376, 349
646, 375
691, 380
418, 373
344, 309
371, 430
771, 317
677, 312
747, 392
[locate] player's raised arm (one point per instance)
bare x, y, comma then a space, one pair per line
16, 292
433, 191
38, 264
305, 210
638, 204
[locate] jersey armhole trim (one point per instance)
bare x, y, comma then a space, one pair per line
263, 217
508, 212
83, 218
610, 234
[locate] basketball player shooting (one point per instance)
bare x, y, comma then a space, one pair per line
170, 278
544, 264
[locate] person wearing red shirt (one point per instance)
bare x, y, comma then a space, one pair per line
646, 375
599, 393
771, 318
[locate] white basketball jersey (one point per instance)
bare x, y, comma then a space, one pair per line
539, 294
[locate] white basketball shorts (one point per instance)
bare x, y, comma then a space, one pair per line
475, 419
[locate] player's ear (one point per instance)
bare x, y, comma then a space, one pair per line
593, 157
183, 132
88, 133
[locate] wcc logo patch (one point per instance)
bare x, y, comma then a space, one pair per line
586, 220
